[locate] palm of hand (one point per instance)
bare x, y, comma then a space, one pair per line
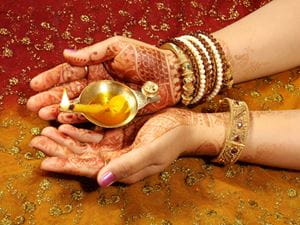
83, 152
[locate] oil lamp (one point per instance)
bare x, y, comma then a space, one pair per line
109, 103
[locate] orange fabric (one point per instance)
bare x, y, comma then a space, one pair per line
191, 191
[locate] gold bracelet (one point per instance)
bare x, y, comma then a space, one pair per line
188, 76
237, 132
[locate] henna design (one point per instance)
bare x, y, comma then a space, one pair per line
60, 74
164, 122
90, 163
212, 145
65, 74
90, 157
98, 72
137, 64
71, 118
87, 158
132, 62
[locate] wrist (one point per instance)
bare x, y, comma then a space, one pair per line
208, 134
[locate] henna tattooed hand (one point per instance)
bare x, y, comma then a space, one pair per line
144, 147
158, 143
126, 60
162, 139
83, 152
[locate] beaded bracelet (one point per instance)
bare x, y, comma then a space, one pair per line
211, 79
219, 64
237, 133
228, 79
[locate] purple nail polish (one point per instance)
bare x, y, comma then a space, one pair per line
107, 179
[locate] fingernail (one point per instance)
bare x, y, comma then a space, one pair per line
107, 179
70, 50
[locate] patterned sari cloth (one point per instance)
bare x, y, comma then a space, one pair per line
33, 34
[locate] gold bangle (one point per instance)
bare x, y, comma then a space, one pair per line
237, 132
188, 76
176, 50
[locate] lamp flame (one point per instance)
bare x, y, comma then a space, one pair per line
65, 102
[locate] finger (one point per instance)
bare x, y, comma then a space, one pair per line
58, 75
96, 53
146, 172
73, 165
98, 72
53, 96
49, 147
124, 166
72, 118
49, 112
82, 135
65, 141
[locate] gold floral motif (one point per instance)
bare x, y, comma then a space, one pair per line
292, 193
40, 155
26, 41
35, 131
103, 200
48, 46
4, 31
14, 150
29, 207
7, 52
85, 18
164, 176
45, 184
55, 211
45, 25
66, 35
13, 81
22, 101
77, 195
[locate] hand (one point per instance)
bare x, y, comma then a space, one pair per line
160, 141
83, 152
129, 61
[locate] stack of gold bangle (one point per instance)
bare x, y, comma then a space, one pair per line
205, 70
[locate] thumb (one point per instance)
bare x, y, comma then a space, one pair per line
124, 166
94, 54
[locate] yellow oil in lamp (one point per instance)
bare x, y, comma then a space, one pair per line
110, 104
